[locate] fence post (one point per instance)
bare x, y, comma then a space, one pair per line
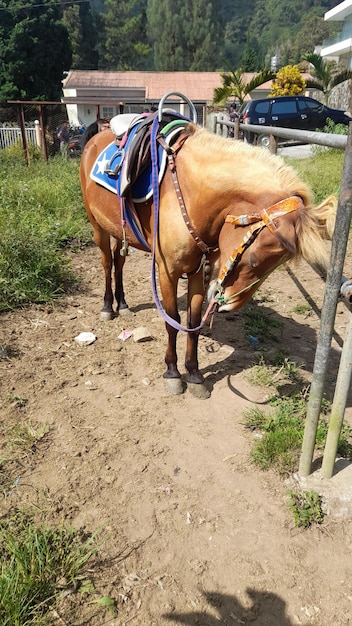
237, 128
338, 405
272, 144
332, 290
42, 125
23, 132
215, 124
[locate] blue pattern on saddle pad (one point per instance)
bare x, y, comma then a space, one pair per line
110, 160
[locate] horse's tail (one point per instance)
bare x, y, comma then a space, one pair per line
313, 227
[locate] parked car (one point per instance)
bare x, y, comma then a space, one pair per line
288, 112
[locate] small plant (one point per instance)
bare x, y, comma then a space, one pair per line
302, 309
306, 508
39, 564
259, 324
281, 371
20, 439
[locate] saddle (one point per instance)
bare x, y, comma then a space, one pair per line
136, 145
125, 167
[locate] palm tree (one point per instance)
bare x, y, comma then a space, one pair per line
326, 74
235, 87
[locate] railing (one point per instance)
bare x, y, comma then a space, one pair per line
346, 33
274, 132
9, 135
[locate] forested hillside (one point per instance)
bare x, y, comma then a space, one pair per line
162, 35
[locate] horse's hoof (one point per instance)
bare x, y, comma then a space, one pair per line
125, 312
173, 386
106, 316
199, 390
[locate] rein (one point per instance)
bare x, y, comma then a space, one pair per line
155, 186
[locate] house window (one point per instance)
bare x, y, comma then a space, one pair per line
107, 112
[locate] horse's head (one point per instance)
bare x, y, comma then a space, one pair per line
251, 247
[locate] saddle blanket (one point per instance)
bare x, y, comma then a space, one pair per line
108, 171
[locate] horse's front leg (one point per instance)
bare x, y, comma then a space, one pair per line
119, 262
194, 378
172, 377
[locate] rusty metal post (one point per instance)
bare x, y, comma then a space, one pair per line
333, 284
23, 132
42, 125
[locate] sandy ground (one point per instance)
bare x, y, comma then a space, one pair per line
196, 534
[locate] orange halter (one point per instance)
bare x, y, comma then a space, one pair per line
259, 221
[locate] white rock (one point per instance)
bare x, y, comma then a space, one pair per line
141, 334
85, 339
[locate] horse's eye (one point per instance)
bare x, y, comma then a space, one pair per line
253, 260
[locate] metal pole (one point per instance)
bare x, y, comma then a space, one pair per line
42, 124
273, 144
338, 405
333, 284
23, 133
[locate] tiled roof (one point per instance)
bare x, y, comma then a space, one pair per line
197, 86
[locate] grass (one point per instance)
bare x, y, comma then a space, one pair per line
280, 433
258, 325
274, 374
20, 437
39, 566
306, 508
43, 567
322, 172
41, 215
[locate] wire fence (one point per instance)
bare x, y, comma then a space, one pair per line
34, 124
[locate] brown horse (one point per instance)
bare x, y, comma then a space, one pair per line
240, 207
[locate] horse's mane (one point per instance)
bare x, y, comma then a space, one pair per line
314, 223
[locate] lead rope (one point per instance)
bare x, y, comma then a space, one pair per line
155, 185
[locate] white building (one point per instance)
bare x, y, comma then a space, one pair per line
339, 47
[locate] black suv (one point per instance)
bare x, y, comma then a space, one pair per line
289, 112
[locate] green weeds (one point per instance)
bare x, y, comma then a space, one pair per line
280, 433
39, 566
41, 213
306, 508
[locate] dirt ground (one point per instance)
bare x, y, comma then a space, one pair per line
196, 534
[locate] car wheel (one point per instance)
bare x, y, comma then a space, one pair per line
263, 141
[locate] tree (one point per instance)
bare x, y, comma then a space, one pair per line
81, 28
124, 45
326, 74
249, 62
234, 85
184, 35
288, 82
30, 68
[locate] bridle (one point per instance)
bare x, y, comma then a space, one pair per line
258, 221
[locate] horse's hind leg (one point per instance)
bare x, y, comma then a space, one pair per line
102, 239
119, 262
